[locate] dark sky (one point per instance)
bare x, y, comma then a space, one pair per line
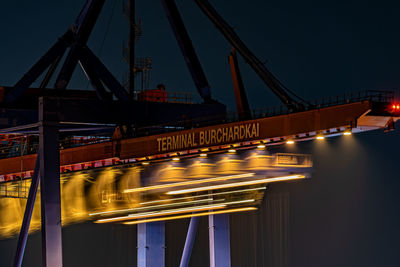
347, 215
316, 48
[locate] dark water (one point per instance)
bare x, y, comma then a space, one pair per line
346, 215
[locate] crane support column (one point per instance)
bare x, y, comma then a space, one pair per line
218, 230
23, 235
190, 237
151, 244
50, 185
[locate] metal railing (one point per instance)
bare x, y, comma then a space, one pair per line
346, 98
378, 96
15, 189
15, 147
165, 96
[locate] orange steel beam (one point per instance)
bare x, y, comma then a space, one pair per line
242, 105
282, 126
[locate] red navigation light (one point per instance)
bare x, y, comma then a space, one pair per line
395, 108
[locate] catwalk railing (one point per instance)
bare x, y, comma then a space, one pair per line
17, 145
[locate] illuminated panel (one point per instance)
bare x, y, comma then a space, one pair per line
191, 215
215, 187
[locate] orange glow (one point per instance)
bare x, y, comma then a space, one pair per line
290, 142
191, 215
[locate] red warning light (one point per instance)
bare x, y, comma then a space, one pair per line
395, 108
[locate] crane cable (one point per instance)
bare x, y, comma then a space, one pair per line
105, 33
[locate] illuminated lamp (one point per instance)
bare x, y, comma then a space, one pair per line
261, 146
347, 132
320, 137
203, 155
175, 159
231, 150
290, 142
395, 107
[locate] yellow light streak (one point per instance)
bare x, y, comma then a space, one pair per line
214, 187
206, 195
167, 212
290, 142
261, 146
231, 150
175, 159
348, 132
215, 179
320, 137
191, 215
173, 211
151, 207
160, 213
203, 155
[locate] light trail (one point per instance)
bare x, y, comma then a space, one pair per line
191, 215
166, 212
174, 211
152, 207
215, 179
207, 195
214, 187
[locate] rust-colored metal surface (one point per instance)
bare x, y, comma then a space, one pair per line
222, 134
257, 129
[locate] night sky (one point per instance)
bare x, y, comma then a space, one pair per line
347, 214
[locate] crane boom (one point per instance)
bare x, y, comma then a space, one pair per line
269, 79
